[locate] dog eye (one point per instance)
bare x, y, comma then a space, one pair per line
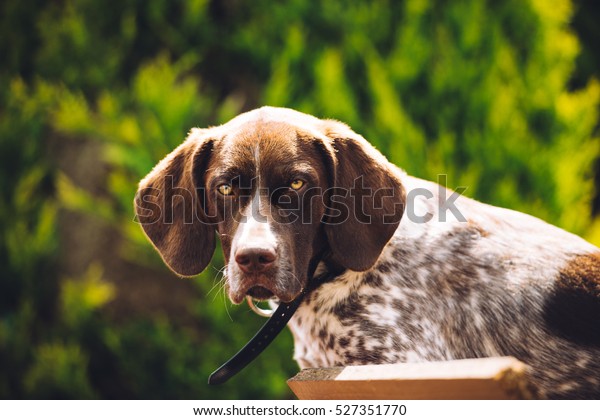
225, 189
296, 184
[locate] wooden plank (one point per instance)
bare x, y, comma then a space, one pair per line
489, 378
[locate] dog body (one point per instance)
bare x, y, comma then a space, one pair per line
287, 192
453, 290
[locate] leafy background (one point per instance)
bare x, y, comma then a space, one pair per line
502, 96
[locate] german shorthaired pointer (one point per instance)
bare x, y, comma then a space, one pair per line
285, 191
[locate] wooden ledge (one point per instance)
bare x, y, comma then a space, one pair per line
489, 378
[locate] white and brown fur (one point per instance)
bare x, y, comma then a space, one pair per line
495, 283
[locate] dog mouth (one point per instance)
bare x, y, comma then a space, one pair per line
283, 287
260, 293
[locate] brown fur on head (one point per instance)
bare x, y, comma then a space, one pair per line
270, 232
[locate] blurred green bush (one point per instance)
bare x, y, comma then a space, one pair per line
475, 90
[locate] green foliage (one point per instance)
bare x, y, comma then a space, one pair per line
475, 90
58, 371
28, 214
471, 90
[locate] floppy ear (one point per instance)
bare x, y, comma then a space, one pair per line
367, 202
170, 210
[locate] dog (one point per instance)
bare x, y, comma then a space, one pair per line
418, 273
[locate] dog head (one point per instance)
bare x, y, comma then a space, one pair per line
281, 189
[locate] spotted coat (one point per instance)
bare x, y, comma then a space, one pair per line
495, 285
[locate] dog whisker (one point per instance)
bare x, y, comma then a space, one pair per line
219, 280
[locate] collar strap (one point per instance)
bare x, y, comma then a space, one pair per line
274, 325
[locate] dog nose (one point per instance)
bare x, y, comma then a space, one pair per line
255, 260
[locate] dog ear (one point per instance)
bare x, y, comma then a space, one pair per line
170, 210
367, 201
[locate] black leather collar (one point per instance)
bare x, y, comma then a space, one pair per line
274, 325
